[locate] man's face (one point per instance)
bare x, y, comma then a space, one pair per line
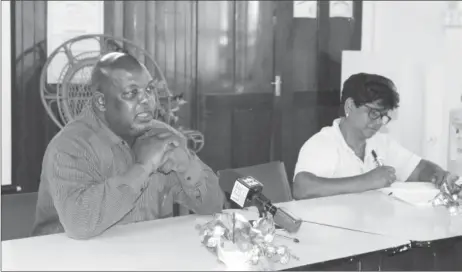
130, 101
369, 118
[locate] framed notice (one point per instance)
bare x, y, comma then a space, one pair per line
67, 20
305, 9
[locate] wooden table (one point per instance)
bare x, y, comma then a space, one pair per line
174, 244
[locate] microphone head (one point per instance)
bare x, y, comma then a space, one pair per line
245, 189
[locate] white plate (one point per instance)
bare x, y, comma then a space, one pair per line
415, 193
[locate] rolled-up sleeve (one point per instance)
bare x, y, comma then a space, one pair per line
87, 203
199, 189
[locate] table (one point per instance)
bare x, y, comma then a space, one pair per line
379, 213
173, 244
376, 212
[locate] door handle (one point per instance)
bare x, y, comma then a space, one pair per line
277, 85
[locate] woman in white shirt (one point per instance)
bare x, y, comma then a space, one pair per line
352, 156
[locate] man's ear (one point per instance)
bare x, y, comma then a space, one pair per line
99, 101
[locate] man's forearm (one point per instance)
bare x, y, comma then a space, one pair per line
307, 185
201, 191
92, 209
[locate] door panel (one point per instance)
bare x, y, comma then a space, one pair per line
215, 66
235, 71
312, 49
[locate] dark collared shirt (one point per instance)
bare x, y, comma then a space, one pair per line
76, 194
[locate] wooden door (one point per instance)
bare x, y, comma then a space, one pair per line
237, 109
242, 47
308, 60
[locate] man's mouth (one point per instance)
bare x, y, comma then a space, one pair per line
144, 116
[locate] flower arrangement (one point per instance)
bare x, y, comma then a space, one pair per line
242, 245
449, 199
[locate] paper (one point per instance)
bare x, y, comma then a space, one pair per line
341, 9
305, 9
414, 193
67, 20
239, 193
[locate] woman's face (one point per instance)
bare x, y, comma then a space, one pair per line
368, 118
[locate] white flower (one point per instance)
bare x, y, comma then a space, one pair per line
218, 231
269, 238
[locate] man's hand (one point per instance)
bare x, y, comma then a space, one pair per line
382, 176
177, 159
160, 127
151, 150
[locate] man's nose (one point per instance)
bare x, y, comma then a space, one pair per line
143, 97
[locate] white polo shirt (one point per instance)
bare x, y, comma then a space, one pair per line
327, 155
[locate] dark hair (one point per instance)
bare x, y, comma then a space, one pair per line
366, 88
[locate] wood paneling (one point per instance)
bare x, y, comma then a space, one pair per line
235, 70
167, 30
32, 129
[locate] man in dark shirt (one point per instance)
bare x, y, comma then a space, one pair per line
115, 164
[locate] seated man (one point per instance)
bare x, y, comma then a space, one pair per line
115, 164
341, 158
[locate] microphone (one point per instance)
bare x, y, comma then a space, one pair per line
247, 191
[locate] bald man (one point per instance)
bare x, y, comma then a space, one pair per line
115, 164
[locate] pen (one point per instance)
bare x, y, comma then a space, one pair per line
376, 159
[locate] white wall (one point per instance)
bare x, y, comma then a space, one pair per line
413, 26
5, 114
403, 35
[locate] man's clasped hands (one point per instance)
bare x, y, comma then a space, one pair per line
162, 149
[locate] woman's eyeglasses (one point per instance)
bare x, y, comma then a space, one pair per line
375, 114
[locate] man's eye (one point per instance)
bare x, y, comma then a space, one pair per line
132, 93
150, 89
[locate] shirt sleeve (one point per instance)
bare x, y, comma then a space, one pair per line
403, 160
317, 156
199, 189
87, 203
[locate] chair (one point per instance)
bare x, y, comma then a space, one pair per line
273, 176
18, 215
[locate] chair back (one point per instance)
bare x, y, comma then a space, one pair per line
273, 176
18, 215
